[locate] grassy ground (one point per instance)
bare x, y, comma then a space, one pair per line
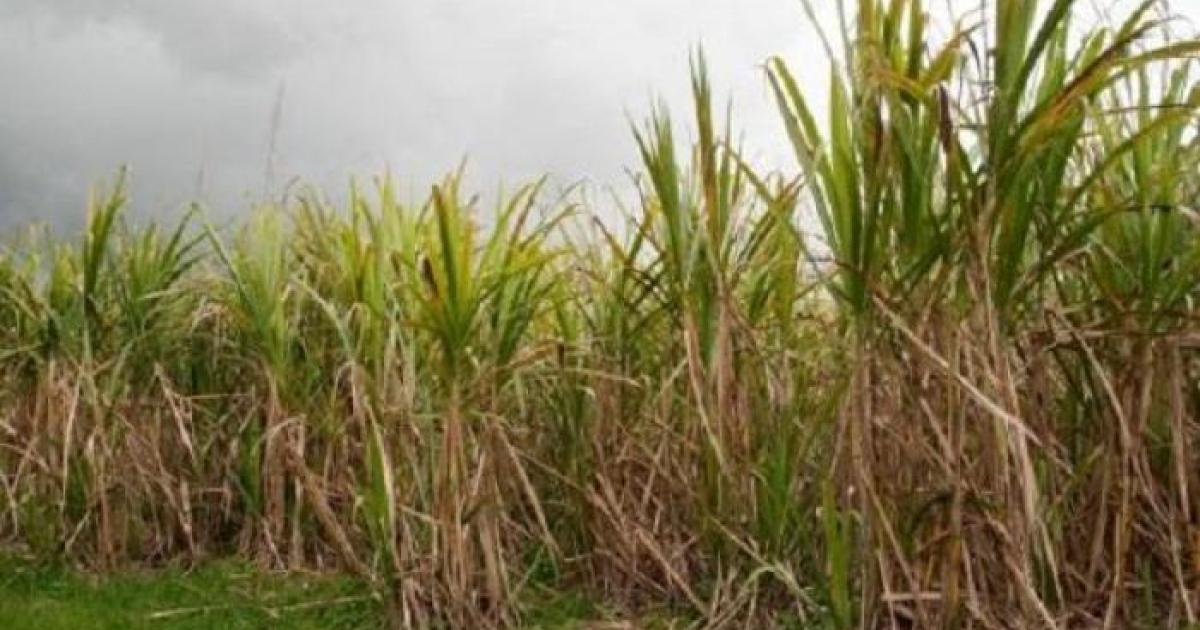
218, 596
226, 595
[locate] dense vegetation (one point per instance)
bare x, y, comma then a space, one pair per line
970, 399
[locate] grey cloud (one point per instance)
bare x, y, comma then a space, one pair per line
177, 88
180, 88
226, 37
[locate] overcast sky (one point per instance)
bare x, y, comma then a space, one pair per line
183, 90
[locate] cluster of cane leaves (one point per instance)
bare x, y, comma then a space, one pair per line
919, 168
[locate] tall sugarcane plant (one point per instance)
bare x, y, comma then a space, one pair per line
957, 199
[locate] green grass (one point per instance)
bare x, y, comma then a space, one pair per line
234, 596
221, 595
